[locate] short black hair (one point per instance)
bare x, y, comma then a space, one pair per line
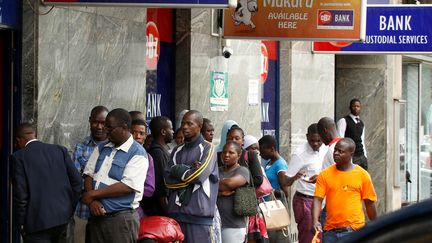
157, 124
349, 142
236, 146
267, 141
122, 116
198, 116
98, 109
177, 131
139, 122
312, 129
235, 128
353, 101
25, 129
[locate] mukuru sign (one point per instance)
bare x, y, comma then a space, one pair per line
296, 19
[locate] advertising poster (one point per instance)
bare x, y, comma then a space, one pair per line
218, 91
270, 88
296, 19
390, 29
160, 49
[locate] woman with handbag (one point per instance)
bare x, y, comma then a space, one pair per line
232, 176
250, 159
275, 169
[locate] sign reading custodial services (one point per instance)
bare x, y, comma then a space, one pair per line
296, 19
390, 29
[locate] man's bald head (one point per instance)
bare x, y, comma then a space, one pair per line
24, 133
327, 129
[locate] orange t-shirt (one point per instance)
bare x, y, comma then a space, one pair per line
344, 192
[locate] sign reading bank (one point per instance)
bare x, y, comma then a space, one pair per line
390, 29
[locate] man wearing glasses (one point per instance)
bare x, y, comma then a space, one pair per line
114, 183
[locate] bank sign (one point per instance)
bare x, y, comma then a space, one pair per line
394, 29
8, 13
147, 3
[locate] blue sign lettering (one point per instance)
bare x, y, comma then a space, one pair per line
390, 29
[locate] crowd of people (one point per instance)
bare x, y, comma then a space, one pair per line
127, 170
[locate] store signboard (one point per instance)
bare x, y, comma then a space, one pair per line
147, 3
390, 29
8, 13
296, 19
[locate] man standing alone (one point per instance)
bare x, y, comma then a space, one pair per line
46, 187
345, 186
352, 127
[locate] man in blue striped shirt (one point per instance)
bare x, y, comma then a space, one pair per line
81, 155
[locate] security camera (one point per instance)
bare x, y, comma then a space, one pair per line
227, 51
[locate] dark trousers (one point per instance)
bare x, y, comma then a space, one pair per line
52, 235
361, 160
121, 227
302, 207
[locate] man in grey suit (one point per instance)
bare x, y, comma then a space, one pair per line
46, 187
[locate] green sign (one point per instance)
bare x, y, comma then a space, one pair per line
218, 91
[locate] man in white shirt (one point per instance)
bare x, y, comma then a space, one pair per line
352, 127
305, 165
114, 182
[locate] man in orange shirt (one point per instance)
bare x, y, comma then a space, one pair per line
344, 185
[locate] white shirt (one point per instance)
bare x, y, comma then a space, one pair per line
134, 174
328, 158
341, 126
305, 158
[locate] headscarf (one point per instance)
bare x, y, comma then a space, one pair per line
227, 126
249, 140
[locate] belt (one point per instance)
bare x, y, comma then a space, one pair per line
113, 214
303, 195
341, 229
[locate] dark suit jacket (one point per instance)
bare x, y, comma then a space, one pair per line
46, 184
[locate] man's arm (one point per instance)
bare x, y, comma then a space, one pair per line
196, 174
370, 209
114, 190
364, 142
341, 127
316, 211
20, 190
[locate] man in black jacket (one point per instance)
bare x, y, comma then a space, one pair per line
46, 187
162, 130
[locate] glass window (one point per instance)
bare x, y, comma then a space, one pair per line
410, 82
425, 132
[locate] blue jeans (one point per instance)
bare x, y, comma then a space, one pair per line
334, 237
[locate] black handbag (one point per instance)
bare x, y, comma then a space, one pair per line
245, 200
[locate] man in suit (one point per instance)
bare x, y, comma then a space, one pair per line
46, 187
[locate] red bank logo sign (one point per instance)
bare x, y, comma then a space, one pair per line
152, 46
264, 62
324, 17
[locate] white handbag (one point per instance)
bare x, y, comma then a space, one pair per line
275, 214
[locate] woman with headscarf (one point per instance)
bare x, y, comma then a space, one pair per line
227, 126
